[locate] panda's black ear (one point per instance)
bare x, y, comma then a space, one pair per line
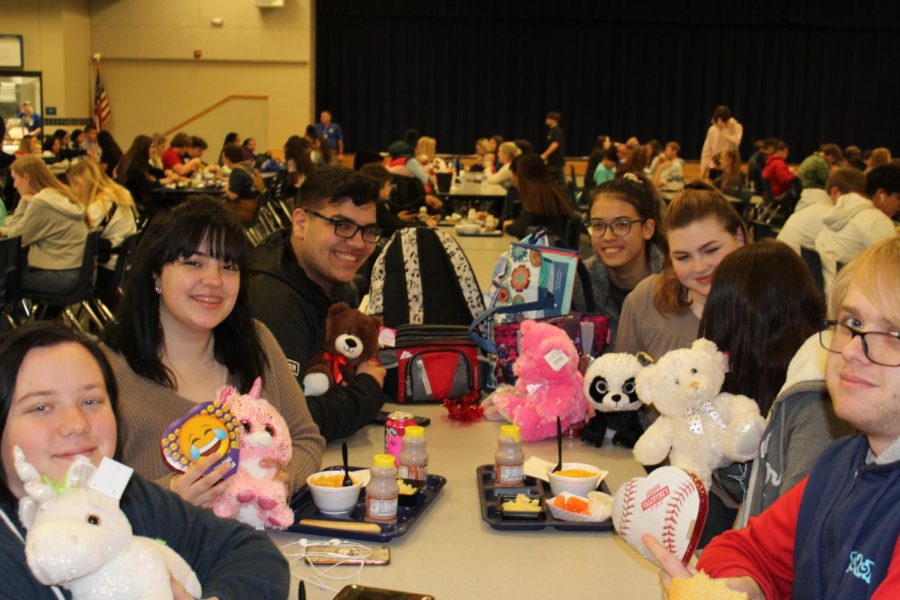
644, 358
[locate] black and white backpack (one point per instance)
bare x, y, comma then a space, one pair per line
423, 277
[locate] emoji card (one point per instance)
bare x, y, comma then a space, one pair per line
208, 429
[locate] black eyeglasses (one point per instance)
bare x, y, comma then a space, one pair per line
880, 347
346, 228
620, 227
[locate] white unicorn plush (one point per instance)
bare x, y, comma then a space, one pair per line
80, 539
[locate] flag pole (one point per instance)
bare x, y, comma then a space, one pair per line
92, 86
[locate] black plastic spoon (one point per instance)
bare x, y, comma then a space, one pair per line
558, 466
347, 480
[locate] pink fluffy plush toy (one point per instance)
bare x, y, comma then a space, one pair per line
548, 385
253, 494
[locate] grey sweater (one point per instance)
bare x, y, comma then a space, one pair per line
602, 290
800, 425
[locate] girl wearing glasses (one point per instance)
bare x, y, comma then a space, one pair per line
183, 331
663, 312
628, 246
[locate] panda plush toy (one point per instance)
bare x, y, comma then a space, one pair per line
609, 387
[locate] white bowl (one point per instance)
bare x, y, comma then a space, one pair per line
334, 500
579, 486
468, 228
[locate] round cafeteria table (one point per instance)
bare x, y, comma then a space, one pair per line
452, 554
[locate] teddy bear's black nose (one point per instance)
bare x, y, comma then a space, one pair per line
616, 397
351, 343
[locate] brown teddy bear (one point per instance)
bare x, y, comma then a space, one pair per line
351, 338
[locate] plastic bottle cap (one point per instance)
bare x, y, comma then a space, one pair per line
384, 461
510, 431
414, 431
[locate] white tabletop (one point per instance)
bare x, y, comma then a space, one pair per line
451, 553
473, 189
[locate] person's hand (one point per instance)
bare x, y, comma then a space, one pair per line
431, 223
373, 368
406, 215
197, 489
280, 474
434, 202
507, 223
671, 566
178, 591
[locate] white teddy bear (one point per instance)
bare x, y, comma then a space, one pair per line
699, 428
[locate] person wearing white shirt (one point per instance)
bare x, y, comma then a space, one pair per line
725, 133
802, 227
857, 222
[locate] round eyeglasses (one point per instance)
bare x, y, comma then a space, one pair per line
880, 347
620, 227
346, 228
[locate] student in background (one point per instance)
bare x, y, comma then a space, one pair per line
543, 201
724, 133
52, 223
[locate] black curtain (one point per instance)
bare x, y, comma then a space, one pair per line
804, 71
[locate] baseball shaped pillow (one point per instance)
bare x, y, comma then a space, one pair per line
669, 504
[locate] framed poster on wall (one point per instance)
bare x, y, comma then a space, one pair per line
11, 53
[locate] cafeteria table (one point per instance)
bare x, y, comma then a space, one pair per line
450, 553
467, 192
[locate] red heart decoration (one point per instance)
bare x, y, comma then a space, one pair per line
670, 504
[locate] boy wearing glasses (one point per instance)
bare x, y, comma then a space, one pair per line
835, 534
296, 272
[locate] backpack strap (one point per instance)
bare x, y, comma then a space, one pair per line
486, 342
409, 244
109, 216
468, 284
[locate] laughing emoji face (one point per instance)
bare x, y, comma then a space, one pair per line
201, 436
208, 430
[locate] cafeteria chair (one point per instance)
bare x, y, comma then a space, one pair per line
814, 262
100, 299
42, 301
10, 249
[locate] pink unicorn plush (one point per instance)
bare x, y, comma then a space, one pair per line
253, 495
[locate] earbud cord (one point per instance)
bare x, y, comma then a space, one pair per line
323, 573
15, 530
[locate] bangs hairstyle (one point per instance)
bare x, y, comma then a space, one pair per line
876, 271
698, 201
138, 334
640, 194
762, 306
15, 346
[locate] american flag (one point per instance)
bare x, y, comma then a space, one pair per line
102, 112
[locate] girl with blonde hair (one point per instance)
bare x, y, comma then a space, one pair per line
51, 220
507, 152
109, 206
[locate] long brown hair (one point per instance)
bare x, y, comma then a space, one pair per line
731, 177
539, 193
697, 202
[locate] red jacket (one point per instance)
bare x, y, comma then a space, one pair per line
778, 174
764, 550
